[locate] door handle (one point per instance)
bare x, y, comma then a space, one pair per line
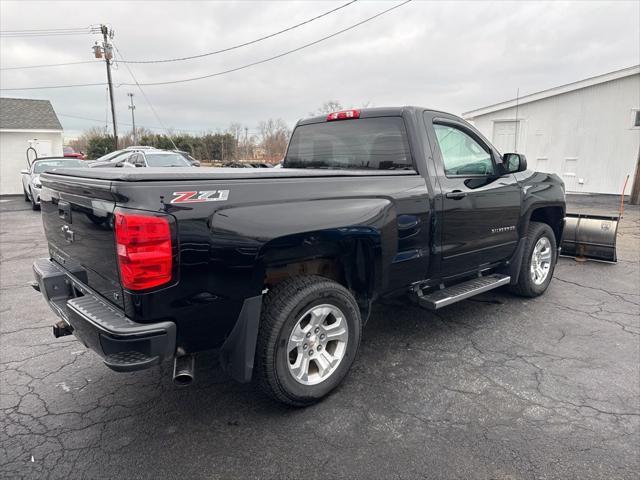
456, 194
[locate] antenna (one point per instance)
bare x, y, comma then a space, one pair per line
515, 140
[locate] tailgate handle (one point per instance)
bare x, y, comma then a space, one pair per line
64, 210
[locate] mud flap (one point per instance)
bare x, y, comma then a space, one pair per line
238, 351
590, 236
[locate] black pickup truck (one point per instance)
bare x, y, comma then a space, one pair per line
277, 269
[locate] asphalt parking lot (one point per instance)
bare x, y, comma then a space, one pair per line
495, 387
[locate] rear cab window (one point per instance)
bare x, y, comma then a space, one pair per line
376, 143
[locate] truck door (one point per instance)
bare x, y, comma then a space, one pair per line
479, 206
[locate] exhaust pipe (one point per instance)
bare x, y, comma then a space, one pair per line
183, 368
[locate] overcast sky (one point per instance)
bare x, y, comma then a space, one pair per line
453, 56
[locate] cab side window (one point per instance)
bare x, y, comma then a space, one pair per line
461, 154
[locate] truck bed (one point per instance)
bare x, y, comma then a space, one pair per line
211, 173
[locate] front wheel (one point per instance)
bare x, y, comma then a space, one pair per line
539, 261
34, 205
309, 335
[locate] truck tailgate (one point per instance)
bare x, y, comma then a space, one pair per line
77, 214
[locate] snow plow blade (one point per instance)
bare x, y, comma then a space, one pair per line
590, 236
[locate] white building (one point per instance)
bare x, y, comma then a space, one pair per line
25, 123
588, 132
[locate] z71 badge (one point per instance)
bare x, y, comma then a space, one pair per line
199, 197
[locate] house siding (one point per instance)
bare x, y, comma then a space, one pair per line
589, 130
13, 148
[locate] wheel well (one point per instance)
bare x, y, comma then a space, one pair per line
553, 217
324, 267
349, 262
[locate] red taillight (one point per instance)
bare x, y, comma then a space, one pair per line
144, 250
343, 115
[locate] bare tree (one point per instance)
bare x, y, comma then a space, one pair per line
81, 144
328, 107
274, 136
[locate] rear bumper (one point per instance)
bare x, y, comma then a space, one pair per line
124, 345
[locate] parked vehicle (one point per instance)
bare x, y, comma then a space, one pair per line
112, 155
279, 268
140, 147
71, 153
31, 185
187, 156
237, 165
144, 158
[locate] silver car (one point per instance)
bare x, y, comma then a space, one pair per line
147, 157
143, 158
31, 185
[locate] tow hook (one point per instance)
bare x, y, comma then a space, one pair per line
61, 329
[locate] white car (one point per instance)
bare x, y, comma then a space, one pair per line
144, 158
31, 185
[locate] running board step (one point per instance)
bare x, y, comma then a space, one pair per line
461, 291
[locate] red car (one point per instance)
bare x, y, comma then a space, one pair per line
70, 152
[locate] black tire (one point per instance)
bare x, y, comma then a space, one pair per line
26, 195
526, 287
282, 309
34, 205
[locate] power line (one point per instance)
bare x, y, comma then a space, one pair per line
50, 87
50, 32
51, 65
53, 34
269, 59
144, 95
39, 30
138, 126
228, 49
240, 45
224, 72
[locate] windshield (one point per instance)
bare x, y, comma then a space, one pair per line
41, 166
109, 156
367, 143
166, 160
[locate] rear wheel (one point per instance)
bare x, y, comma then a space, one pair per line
26, 195
309, 335
539, 261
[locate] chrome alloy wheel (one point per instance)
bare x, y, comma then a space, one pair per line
317, 344
541, 261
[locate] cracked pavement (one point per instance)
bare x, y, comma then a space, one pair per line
495, 387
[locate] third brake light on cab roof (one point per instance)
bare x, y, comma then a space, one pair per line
343, 115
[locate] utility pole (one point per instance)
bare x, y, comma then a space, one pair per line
132, 107
635, 189
106, 50
246, 143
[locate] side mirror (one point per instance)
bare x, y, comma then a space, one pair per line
24, 172
514, 162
